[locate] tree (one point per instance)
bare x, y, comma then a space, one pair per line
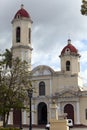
84, 7
14, 82
6, 58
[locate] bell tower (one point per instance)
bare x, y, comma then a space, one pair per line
21, 36
70, 59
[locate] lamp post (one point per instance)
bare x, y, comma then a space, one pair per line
0, 72
30, 91
20, 119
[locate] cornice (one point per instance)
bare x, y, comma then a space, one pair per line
22, 46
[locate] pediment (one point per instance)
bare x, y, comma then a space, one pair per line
42, 70
67, 93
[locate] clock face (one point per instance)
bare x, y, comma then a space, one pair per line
67, 51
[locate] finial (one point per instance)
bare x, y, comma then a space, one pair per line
69, 41
22, 6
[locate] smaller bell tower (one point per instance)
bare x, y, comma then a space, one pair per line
21, 36
70, 59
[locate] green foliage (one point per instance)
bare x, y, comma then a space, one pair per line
9, 128
14, 83
7, 58
84, 7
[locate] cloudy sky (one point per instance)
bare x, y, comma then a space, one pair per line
54, 22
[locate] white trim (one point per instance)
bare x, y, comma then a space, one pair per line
50, 87
24, 120
32, 114
9, 119
77, 113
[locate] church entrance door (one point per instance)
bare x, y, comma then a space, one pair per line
70, 111
16, 117
42, 113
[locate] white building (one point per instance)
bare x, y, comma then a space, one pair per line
64, 86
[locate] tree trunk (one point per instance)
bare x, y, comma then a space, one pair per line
6, 122
4, 125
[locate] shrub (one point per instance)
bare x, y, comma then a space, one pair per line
9, 128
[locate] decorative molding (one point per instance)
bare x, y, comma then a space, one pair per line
22, 46
42, 70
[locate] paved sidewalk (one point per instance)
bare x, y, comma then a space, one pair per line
70, 129
78, 128
45, 129
34, 129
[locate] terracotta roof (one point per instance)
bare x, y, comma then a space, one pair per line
22, 13
70, 47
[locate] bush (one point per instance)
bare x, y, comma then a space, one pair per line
9, 128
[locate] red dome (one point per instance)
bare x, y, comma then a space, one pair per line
22, 13
70, 48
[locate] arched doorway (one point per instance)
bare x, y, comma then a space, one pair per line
42, 113
70, 111
17, 117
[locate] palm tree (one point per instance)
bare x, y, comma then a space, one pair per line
7, 58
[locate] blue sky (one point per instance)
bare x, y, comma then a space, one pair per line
54, 21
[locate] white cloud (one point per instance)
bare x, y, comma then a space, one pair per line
84, 77
54, 22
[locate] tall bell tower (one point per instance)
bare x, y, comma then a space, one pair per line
21, 36
70, 59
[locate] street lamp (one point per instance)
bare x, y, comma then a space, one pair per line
20, 119
0, 72
30, 91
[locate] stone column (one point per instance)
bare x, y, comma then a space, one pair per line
77, 113
33, 114
50, 87
24, 117
10, 120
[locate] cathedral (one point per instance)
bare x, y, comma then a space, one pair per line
64, 86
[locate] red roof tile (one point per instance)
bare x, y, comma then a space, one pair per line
22, 13
71, 48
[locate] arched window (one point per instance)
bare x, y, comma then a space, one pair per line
67, 65
42, 88
29, 35
18, 34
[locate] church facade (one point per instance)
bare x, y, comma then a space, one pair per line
64, 86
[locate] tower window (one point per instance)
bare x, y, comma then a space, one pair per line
67, 65
18, 16
18, 34
42, 88
29, 35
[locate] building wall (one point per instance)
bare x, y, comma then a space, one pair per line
83, 107
65, 87
24, 24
